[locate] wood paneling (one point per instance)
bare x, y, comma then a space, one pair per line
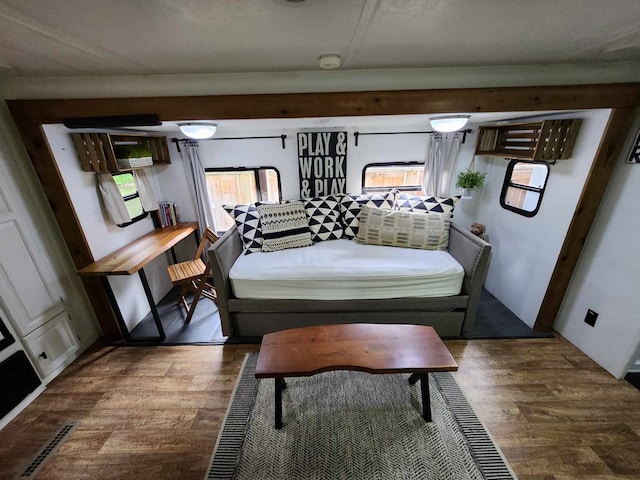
299, 105
155, 412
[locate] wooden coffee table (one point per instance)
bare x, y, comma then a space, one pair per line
366, 347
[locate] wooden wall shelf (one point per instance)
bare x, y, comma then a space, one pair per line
96, 151
547, 140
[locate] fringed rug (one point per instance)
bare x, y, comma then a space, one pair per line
353, 425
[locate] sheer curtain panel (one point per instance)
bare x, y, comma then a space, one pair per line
198, 182
442, 150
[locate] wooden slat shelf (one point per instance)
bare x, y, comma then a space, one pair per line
547, 140
96, 153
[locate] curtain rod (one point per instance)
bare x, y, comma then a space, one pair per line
357, 134
178, 140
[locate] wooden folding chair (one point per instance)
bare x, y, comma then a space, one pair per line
192, 275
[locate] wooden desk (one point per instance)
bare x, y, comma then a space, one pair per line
133, 258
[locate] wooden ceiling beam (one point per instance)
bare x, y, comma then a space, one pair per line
301, 105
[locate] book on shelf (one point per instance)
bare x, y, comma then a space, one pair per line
168, 213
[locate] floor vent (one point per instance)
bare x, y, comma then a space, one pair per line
49, 449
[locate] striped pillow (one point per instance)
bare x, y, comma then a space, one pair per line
427, 231
284, 225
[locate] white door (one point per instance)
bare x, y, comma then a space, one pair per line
23, 292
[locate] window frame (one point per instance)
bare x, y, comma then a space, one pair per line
126, 198
256, 175
405, 188
261, 189
508, 183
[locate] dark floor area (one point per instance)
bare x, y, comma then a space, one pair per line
204, 327
493, 320
634, 379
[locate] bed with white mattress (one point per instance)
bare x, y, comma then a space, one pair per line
346, 270
343, 281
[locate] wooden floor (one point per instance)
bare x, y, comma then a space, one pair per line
155, 412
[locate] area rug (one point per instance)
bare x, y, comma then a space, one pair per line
353, 425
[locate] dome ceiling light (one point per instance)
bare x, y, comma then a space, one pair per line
198, 130
449, 123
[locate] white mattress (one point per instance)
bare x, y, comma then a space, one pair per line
346, 270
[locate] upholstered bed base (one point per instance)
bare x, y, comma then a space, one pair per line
451, 316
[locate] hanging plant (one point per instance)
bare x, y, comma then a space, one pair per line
471, 179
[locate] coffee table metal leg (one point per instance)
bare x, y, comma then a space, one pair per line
426, 398
279, 385
414, 378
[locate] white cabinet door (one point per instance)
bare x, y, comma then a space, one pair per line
52, 345
22, 288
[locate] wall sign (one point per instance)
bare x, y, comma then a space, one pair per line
322, 162
634, 155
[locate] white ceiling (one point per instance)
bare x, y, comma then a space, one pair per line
143, 37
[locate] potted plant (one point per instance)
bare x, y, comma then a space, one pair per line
469, 181
133, 155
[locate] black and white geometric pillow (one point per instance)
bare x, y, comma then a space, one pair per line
247, 220
350, 206
324, 217
284, 225
413, 203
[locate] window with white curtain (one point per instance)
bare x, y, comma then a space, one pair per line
127, 186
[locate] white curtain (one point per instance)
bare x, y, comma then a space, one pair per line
147, 193
199, 190
112, 199
442, 150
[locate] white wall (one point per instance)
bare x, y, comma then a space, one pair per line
607, 278
525, 249
269, 152
103, 237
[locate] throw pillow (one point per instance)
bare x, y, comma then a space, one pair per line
324, 217
427, 231
284, 225
350, 206
413, 203
247, 220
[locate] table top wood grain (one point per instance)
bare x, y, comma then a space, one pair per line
135, 255
372, 348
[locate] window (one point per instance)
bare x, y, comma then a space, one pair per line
129, 191
381, 177
523, 187
232, 186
